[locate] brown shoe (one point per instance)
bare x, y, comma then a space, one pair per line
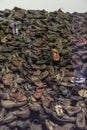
38, 93
36, 81
46, 100
39, 67
55, 53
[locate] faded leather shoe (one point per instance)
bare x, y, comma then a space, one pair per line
46, 101
2, 114
38, 93
64, 119
36, 81
12, 124
4, 127
39, 67
81, 121
35, 126
82, 105
23, 125
44, 74
50, 125
71, 111
18, 97
68, 118
34, 106
4, 95
7, 79
10, 117
11, 104
23, 112
69, 126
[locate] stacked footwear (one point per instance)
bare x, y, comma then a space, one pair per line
42, 70
79, 53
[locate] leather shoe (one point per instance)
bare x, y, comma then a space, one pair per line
81, 121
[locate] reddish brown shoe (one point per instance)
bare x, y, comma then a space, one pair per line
55, 53
38, 93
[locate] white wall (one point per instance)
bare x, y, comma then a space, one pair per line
49, 5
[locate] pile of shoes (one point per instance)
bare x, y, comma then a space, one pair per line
79, 51
43, 70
